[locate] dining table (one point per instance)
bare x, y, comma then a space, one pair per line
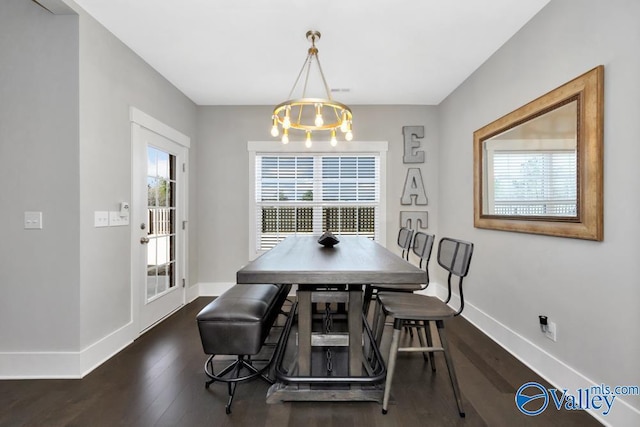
352, 366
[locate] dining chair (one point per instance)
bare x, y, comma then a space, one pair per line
408, 309
421, 247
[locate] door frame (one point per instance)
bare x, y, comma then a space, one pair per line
139, 120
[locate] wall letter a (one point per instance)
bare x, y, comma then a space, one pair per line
413, 187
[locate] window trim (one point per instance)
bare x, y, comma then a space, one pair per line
378, 148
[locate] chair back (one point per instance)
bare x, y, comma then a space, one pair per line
422, 246
455, 257
404, 241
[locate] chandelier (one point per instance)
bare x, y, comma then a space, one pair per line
311, 114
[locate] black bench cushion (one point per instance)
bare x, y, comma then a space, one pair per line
239, 320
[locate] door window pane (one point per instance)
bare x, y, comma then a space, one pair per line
161, 209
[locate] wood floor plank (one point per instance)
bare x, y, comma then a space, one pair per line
159, 381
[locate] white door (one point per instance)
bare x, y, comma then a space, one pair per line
158, 218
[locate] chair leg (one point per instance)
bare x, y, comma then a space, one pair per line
231, 385
378, 323
214, 378
393, 355
410, 330
376, 334
450, 368
421, 339
427, 332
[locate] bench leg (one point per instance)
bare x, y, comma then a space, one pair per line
232, 381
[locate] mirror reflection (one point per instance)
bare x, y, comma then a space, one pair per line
530, 169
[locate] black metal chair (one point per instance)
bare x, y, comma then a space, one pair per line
421, 246
409, 309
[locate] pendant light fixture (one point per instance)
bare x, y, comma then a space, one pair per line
311, 115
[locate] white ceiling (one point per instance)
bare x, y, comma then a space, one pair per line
249, 52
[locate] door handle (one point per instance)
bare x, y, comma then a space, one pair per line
144, 240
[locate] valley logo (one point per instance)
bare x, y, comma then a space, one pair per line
533, 398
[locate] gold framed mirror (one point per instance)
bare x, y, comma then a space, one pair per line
539, 168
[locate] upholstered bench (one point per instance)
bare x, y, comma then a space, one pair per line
237, 323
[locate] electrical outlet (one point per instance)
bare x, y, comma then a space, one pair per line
551, 331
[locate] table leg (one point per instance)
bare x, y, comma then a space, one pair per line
304, 331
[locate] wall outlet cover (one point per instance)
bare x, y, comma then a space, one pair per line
551, 332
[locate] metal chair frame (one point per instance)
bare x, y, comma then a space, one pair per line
456, 262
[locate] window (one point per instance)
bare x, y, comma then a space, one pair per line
309, 193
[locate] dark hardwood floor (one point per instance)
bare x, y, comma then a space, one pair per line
158, 381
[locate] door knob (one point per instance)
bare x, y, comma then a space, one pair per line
144, 240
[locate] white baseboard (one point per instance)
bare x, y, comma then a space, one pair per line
553, 370
192, 293
104, 349
40, 365
64, 364
77, 364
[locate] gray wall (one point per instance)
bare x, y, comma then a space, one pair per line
39, 169
223, 174
590, 289
113, 78
66, 86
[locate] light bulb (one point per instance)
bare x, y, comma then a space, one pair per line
344, 125
348, 136
319, 120
308, 141
334, 141
274, 131
286, 123
285, 136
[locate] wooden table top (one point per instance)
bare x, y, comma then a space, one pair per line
355, 260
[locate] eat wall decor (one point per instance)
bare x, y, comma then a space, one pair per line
413, 192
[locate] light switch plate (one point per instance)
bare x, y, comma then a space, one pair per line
101, 219
116, 220
33, 220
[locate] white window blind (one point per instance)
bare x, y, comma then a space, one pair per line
310, 194
534, 183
